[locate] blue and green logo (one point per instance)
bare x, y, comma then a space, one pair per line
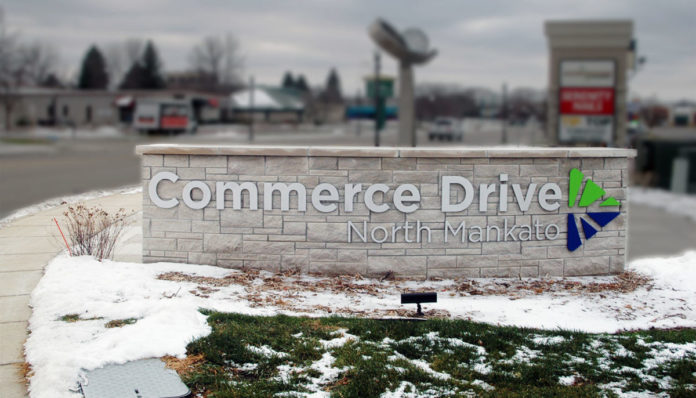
590, 194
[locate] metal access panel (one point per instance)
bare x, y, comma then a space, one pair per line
147, 378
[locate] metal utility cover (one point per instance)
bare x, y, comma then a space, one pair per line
146, 378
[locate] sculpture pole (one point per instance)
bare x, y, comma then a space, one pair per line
407, 117
410, 48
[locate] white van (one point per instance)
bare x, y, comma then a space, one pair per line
164, 115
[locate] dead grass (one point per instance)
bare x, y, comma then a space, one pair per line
355, 284
25, 371
184, 366
282, 289
625, 282
70, 318
117, 323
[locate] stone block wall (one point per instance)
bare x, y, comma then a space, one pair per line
317, 242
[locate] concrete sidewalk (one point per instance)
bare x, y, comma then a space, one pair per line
26, 246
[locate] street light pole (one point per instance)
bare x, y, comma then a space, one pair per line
251, 108
375, 92
504, 114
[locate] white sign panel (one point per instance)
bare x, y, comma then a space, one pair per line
574, 128
596, 73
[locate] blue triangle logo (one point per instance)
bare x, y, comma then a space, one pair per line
588, 229
591, 193
603, 218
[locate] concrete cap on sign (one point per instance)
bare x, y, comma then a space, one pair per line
386, 152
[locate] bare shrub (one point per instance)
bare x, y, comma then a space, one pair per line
93, 231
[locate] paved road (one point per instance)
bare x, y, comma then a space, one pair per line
71, 168
655, 232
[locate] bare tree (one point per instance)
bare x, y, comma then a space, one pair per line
207, 56
115, 64
218, 56
133, 49
8, 68
232, 61
21, 64
38, 61
121, 56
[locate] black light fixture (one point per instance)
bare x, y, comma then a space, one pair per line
418, 298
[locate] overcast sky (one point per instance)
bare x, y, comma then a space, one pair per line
481, 43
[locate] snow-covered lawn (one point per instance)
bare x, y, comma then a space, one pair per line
164, 300
80, 132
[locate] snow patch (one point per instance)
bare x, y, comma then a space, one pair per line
566, 380
266, 351
339, 341
55, 202
548, 340
677, 204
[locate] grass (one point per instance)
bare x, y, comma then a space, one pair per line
248, 356
25, 141
117, 323
72, 318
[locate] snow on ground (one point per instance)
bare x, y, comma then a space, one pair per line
55, 202
165, 298
678, 204
66, 132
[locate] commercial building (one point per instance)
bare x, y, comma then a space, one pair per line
54, 107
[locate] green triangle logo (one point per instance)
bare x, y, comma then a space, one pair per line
590, 194
610, 202
576, 178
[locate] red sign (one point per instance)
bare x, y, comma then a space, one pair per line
587, 101
174, 122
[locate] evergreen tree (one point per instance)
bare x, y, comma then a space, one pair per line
146, 72
93, 74
301, 84
332, 92
288, 80
134, 77
152, 68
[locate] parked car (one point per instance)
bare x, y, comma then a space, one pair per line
164, 116
446, 129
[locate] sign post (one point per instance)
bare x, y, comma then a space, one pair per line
379, 89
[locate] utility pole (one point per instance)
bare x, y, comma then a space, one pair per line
358, 101
504, 114
252, 88
375, 92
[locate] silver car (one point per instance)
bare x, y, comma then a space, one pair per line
446, 129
